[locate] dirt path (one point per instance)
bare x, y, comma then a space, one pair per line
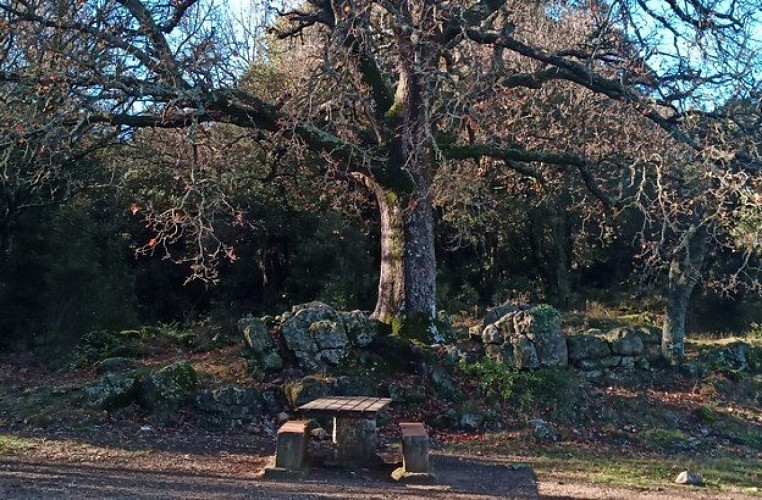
163, 475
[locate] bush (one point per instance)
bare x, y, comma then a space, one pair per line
551, 390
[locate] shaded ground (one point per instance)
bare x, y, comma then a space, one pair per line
459, 479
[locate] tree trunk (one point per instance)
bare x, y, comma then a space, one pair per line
560, 263
551, 251
420, 267
684, 273
391, 281
407, 281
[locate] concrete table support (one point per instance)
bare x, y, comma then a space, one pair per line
356, 440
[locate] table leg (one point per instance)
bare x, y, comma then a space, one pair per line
356, 440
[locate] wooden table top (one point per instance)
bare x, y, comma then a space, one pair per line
347, 406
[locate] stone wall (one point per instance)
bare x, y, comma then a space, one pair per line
595, 353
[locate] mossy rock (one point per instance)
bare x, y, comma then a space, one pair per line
302, 391
727, 358
112, 392
116, 364
419, 327
394, 354
170, 385
256, 334
272, 362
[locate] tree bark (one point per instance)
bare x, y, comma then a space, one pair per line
407, 281
419, 264
684, 273
391, 281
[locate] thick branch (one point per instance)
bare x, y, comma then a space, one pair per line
157, 39
514, 157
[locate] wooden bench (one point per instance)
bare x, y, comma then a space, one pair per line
415, 454
291, 447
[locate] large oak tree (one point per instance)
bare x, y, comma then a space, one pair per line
395, 91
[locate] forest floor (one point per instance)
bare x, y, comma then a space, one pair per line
624, 438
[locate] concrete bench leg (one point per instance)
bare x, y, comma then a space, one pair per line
415, 454
290, 449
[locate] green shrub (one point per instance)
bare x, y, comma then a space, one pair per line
552, 390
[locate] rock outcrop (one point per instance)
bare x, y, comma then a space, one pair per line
528, 338
228, 407
316, 335
257, 336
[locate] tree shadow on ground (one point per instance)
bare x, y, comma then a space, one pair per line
457, 477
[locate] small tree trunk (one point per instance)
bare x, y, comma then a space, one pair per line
560, 264
684, 273
551, 251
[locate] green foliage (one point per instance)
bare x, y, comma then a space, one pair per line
552, 390
707, 414
101, 344
495, 379
66, 274
666, 438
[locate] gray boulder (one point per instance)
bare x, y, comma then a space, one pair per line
526, 338
257, 336
492, 335
360, 329
524, 353
274, 402
271, 362
228, 407
731, 357
689, 478
542, 325
443, 384
625, 342
316, 335
542, 430
112, 392
586, 347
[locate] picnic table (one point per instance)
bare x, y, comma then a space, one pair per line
354, 425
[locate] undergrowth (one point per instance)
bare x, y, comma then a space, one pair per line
550, 390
